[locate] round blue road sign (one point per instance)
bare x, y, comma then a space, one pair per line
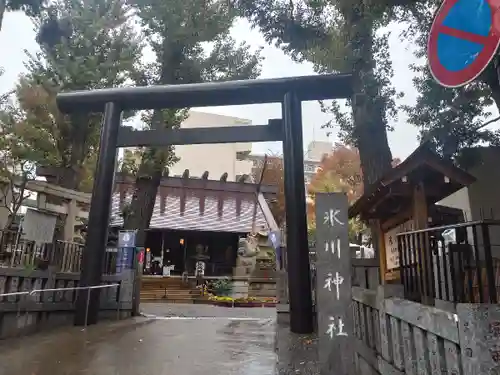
462, 41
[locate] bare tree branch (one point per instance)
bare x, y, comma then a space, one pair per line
489, 122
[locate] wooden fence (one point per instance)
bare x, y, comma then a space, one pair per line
397, 336
21, 314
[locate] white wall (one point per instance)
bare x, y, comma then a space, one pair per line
484, 194
459, 200
316, 150
481, 200
215, 158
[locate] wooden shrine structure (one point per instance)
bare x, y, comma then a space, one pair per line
404, 199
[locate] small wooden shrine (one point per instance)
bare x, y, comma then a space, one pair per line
404, 200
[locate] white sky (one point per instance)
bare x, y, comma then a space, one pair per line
17, 35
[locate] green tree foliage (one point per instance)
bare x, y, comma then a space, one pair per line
85, 44
191, 42
452, 119
341, 36
15, 169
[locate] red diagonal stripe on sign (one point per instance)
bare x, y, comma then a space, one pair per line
465, 35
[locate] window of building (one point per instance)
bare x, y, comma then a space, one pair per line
309, 168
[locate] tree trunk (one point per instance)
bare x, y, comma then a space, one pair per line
368, 109
142, 204
3, 6
68, 178
152, 166
370, 131
147, 183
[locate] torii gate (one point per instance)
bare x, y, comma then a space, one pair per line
290, 92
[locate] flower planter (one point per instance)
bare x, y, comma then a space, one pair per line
244, 303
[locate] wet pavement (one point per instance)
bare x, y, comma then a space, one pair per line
190, 310
184, 340
168, 340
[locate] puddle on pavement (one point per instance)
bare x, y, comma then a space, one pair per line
251, 343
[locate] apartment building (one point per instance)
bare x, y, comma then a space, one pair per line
316, 150
217, 159
312, 158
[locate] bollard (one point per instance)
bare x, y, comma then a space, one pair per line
118, 304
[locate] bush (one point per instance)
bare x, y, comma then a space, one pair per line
222, 287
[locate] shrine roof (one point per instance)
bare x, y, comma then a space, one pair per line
393, 192
202, 205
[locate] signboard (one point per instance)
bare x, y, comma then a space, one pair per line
391, 244
333, 285
38, 226
462, 41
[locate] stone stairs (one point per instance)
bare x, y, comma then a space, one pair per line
167, 289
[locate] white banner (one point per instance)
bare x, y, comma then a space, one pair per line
391, 243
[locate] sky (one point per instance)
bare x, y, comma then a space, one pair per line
17, 35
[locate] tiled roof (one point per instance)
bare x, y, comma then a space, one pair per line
216, 212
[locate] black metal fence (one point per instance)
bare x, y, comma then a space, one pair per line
16, 252
457, 263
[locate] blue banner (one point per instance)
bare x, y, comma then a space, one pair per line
275, 238
125, 259
126, 238
126, 250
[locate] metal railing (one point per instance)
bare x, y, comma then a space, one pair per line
89, 289
453, 263
16, 252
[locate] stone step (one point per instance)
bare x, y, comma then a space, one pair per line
171, 290
161, 295
171, 299
162, 286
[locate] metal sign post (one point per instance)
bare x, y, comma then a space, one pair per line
333, 286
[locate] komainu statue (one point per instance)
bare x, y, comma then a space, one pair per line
256, 256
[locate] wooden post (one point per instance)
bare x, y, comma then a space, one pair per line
420, 214
420, 220
382, 256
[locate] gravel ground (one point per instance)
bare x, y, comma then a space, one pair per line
296, 354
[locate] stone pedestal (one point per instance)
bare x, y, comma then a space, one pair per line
479, 331
240, 289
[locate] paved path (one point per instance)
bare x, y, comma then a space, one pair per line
182, 340
190, 310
